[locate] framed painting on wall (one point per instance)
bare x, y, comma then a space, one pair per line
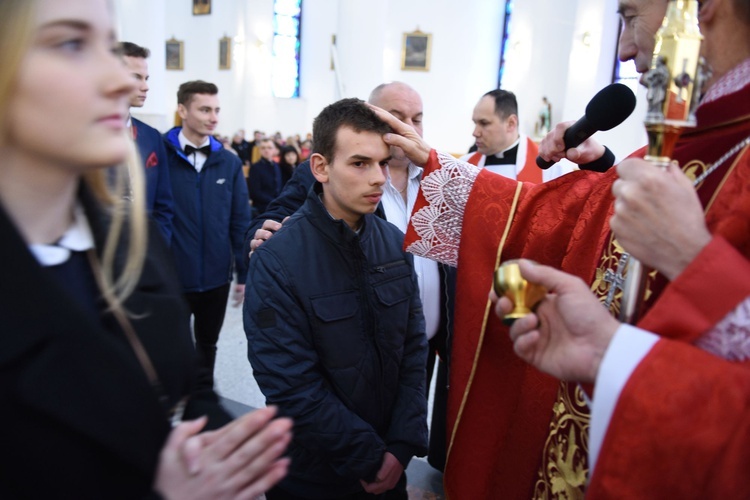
201, 7
415, 51
175, 54
225, 53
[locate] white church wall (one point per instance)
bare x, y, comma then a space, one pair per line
547, 57
142, 22
368, 43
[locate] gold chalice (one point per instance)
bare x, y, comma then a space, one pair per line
524, 295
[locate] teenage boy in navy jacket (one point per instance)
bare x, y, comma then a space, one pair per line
159, 201
335, 326
211, 214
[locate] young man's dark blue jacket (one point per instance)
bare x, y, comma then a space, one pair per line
211, 215
159, 201
336, 339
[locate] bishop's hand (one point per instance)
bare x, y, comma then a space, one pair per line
570, 330
404, 137
658, 217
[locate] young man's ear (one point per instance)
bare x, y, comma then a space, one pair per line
319, 167
182, 111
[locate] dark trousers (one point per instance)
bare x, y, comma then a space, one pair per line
438, 432
208, 308
397, 493
432, 348
437, 447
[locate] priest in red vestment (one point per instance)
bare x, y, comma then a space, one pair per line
517, 433
669, 420
501, 147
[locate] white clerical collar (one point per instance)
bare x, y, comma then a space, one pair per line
184, 141
77, 238
501, 154
129, 123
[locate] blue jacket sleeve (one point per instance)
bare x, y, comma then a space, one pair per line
292, 197
163, 211
286, 367
239, 222
407, 434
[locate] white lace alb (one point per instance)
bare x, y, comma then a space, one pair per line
730, 338
438, 224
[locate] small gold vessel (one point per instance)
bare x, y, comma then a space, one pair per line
525, 296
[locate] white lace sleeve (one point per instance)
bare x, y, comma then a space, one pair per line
730, 338
438, 224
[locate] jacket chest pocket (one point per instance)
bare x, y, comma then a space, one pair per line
339, 334
394, 299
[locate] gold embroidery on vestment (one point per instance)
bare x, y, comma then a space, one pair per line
566, 450
564, 470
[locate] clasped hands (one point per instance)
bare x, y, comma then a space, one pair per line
238, 461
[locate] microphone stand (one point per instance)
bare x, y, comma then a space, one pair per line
674, 88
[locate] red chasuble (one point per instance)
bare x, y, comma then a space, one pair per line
513, 432
685, 431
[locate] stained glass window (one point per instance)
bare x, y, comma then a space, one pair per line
504, 43
287, 15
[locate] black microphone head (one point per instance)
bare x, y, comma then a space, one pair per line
610, 106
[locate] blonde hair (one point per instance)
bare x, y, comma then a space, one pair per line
16, 33
16, 21
129, 175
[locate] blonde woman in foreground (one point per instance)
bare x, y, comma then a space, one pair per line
97, 369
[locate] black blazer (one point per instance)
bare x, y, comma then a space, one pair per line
78, 416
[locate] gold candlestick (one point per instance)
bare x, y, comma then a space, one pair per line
674, 86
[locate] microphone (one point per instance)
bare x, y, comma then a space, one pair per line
607, 109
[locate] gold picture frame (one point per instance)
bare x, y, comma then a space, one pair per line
225, 53
416, 50
175, 53
201, 7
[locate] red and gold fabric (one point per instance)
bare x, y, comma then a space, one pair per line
512, 431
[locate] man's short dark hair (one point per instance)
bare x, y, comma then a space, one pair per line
505, 103
130, 49
188, 89
352, 113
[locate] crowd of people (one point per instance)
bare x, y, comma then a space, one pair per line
249, 151
364, 260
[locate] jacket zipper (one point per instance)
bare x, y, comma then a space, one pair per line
201, 243
384, 267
